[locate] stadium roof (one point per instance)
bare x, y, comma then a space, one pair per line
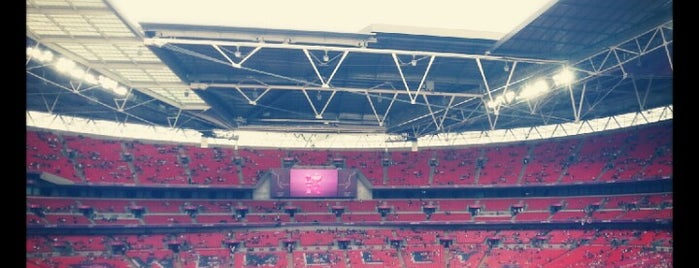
410, 80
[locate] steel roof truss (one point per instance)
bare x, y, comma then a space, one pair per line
405, 83
324, 83
124, 108
257, 98
87, 97
429, 114
639, 42
382, 119
600, 99
446, 112
344, 89
232, 62
172, 120
490, 96
642, 101
318, 115
159, 41
432, 113
665, 44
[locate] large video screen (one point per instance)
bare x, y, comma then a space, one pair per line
313, 183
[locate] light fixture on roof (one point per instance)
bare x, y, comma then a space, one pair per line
90, 78
318, 96
413, 62
120, 90
492, 104
325, 57
40, 55
75, 71
506, 98
564, 77
64, 65
509, 97
237, 53
506, 68
107, 82
531, 91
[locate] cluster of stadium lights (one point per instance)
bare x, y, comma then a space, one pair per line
70, 68
533, 90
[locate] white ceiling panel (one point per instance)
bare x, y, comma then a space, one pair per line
80, 50
134, 75
163, 75
90, 32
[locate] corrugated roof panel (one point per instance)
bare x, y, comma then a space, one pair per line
182, 95
134, 75
163, 75
51, 3
110, 26
47, 31
79, 50
106, 52
41, 24
87, 3
137, 52
75, 25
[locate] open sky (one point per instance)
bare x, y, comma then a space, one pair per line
495, 16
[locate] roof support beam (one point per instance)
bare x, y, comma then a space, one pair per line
344, 89
641, 101
382, 119
597, 64
324, 83
257, 97
319, 115
490, 96
115, 109
576, 110
430, 114
233, 63
315, 111
405, 83
665, 44
159, 41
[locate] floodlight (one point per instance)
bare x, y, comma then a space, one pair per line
541, 85
38, 54
77, 73
120, 90
491, 104
64, 65
107, 82
90, 78
534, 90
500, 99
564, 77
509, 97
34, 52
46, 56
